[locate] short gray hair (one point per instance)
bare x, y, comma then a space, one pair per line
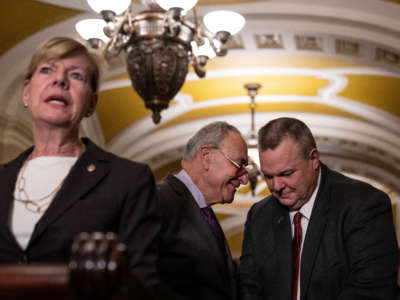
210, 135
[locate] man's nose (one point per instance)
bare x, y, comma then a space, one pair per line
244, 178
277, 184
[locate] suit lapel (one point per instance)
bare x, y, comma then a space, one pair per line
282, 248
194, 216
272, 238
231, 273
8, 176
90, 168
314, 233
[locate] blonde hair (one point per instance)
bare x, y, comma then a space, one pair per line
62, 47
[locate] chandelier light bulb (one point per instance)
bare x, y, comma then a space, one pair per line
184, 4
224, 20
117, 6
91, 29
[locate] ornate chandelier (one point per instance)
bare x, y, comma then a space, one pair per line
159, 42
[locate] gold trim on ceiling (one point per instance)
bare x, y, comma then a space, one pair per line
22, 18
258, 59
379, 91
119, 108
274, 84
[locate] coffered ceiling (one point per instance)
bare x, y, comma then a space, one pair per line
334, 64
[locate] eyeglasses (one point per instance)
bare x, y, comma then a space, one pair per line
242, 166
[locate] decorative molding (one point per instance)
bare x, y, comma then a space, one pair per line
346, 47
387, 56
235, 42
308, 42
326, 44
269, 41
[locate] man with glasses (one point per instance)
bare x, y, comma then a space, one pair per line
320, 235
195, 261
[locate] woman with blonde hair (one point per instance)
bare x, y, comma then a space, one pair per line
64, 185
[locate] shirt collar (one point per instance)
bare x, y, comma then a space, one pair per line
192, 187
306, 209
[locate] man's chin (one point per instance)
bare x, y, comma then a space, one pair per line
227, 201
286, 201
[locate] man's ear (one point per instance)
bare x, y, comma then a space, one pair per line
205, 157
314, 156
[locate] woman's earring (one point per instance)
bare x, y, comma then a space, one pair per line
25, 105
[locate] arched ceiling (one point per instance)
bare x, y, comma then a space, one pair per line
334, 64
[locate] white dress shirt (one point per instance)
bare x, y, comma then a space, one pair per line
42, 175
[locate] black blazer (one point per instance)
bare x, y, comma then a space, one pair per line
349, 251
192, 266
117, 196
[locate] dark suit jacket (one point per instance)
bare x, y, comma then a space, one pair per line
192, 266
349, 251
118, 196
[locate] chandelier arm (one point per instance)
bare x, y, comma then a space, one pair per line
189, 24
170, 24
198, 34
112, 43
196, 19
221, 51
130, 21
202, 33
198, 67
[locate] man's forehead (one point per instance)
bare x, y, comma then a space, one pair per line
234, 141
275, 162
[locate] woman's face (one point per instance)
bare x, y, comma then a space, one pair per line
59, 93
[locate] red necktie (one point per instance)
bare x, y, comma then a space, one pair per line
296, 246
